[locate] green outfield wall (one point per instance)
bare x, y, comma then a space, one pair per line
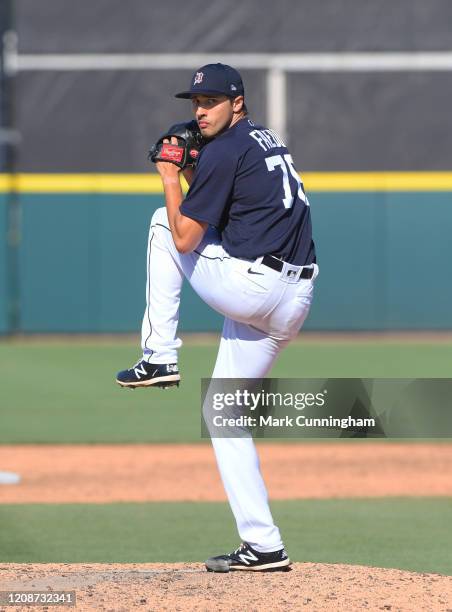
4, 290
384, 257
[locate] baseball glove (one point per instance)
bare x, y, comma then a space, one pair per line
185, 153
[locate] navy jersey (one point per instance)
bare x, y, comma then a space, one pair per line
246, 185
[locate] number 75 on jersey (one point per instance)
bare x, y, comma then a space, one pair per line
287, 167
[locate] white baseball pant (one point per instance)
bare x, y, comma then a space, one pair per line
263, 311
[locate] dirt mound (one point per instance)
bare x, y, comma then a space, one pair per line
308, 586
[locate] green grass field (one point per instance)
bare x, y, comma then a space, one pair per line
411, 534
65, 392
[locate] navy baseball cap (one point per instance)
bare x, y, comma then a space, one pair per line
215, 79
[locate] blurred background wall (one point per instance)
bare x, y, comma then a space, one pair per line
361, 92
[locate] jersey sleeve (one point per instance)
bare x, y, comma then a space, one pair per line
210, 193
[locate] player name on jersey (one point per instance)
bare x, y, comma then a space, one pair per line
267, 139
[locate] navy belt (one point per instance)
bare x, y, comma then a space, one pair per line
276, 264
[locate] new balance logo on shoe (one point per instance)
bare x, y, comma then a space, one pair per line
139, 371
246, 558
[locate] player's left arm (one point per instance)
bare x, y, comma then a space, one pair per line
187, 233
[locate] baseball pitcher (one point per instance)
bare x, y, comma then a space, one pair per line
242, 238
